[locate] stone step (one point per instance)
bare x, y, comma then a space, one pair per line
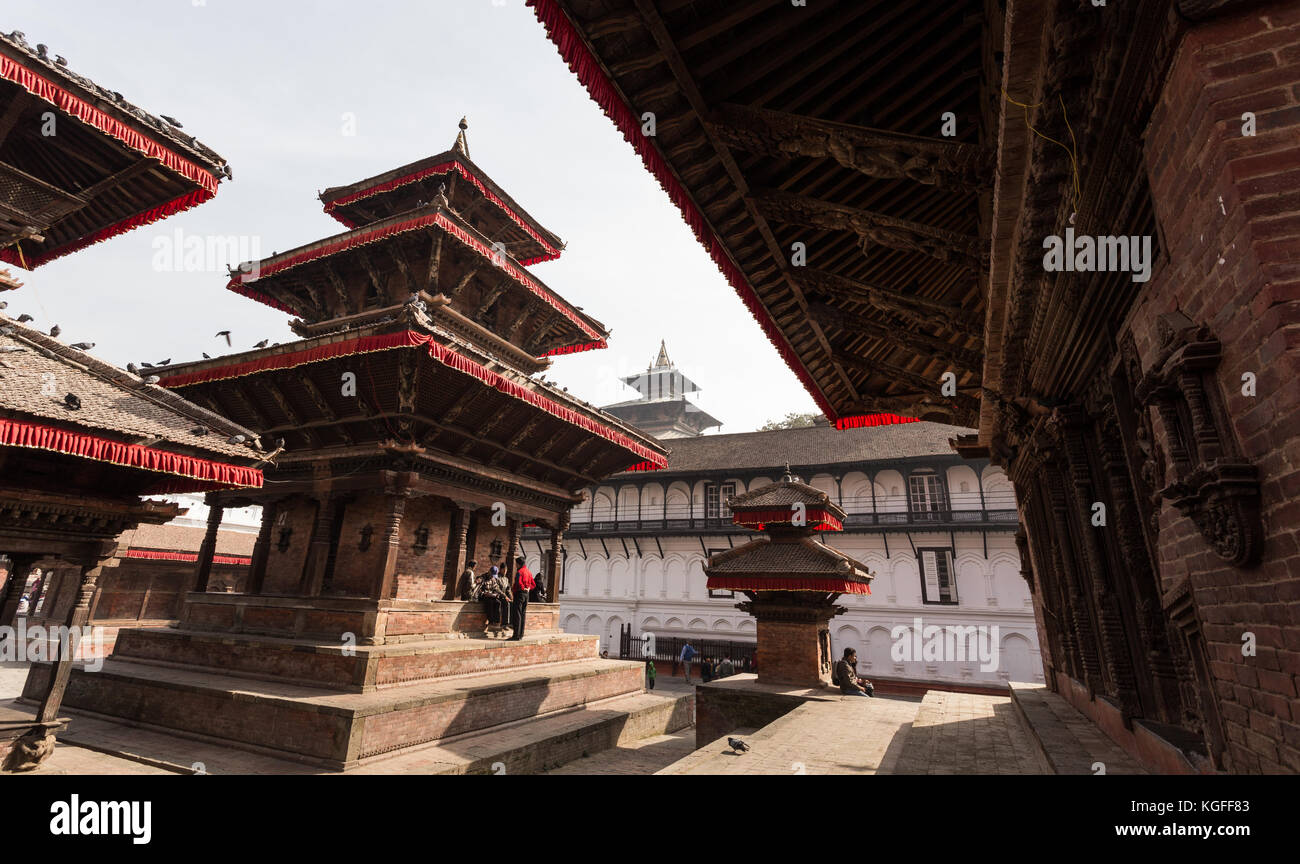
359, 668
523, 747
334, 729
1064, 740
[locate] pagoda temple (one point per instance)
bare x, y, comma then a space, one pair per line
411, 440
790, 577
662, 408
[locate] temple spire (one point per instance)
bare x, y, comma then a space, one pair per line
662, 361
462, 143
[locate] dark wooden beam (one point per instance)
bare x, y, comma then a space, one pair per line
923, 346
923, 383
947, 315
873, 152
872, 228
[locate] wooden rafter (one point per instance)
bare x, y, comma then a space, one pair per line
923, 346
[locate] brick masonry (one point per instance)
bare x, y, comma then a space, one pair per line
1228, 204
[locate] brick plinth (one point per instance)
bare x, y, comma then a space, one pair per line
793, 637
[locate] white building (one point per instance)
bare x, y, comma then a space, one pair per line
937, 531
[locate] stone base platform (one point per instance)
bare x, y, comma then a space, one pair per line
317, 703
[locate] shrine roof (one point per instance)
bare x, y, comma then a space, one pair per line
341, 202
110, 168
154, 425
791, 565
274, 282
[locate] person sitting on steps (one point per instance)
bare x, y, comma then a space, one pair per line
846, 676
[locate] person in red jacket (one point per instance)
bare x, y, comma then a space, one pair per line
524, 582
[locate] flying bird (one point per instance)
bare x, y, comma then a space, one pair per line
24, 318
55, 331
72, 401
83, 346
225, 333
263, 343
236, 439
737, 746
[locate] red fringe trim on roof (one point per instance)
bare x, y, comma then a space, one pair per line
440, 353
791, 583
66, 102
153, 555
444, 168
858, 421
574, 349
202, 474
144, 217
819, 519
365, 237
646, 466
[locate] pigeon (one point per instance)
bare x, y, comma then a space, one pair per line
4, 304
133, 369
152, 379
24, 318
146, 365
163, 362
205, 355
199, 430
263, 343
225, 333
236, 439
55, 331
6, 331
72, 401
42, 50
172, 120
278, 443
83, 346
60, 59
737, 746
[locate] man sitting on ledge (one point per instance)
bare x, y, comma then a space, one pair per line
846, 676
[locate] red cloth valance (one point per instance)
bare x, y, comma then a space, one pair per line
444, 168
190, 199
201, 474
646, 466
858, 421
758, 518
65, 101
440, 353
819, 584
364, 237
155, 555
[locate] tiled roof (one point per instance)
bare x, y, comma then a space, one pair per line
802, 557
180, 538
810, 445
782, 495
111, 400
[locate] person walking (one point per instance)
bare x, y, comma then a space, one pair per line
524, 582
650, 673
687, 655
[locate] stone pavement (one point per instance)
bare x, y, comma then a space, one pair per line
639, 757
965, 733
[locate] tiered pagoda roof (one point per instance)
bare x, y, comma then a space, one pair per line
788, 557
109, 167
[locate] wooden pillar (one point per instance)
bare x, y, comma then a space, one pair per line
51, 694
555, 559
22, 568
392, 537
208, 549
261, 549
457, 551
512, 548
318, 553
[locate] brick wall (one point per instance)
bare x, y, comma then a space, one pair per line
357, 572
790, 652
420, 574
284, 569
1229, 209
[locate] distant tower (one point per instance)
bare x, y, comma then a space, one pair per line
662, 408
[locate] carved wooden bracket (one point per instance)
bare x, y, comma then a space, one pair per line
1212, 485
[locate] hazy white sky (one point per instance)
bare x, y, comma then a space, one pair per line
268, 84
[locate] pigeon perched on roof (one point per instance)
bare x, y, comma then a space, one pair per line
83, 346
24, 318
199, 430
72, 401
152, 379
60, 59
172, 120
55, 331
205, 355
737, 746
263, 343
236, 439
133, 369
164, 362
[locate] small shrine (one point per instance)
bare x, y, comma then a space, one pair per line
791, 578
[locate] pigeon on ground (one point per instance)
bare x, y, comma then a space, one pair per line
72, 401
24, 318
737, 746
263, 343
83, 346
55, 331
